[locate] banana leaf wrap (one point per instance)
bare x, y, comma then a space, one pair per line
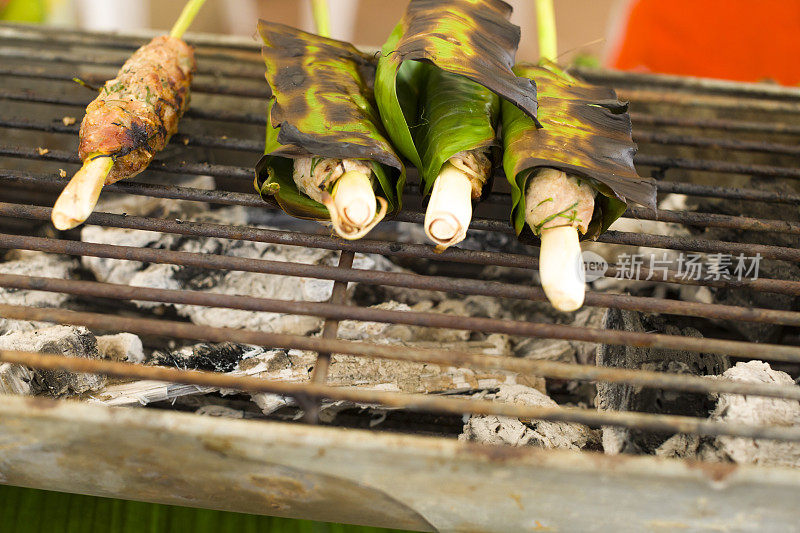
439, 75
456, 114
586, 132
321, 105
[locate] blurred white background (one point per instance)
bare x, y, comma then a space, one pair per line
583, 25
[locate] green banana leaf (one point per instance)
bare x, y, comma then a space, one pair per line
321, 105
456, 114
438, 77
586, 131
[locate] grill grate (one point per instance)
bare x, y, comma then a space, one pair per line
222, 138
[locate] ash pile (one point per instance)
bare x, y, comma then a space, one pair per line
371, 373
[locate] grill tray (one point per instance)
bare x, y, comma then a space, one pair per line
702, 138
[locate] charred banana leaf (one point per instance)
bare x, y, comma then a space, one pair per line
438, 77
585, 131
321, 107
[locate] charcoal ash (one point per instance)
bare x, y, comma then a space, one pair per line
785, 270
622, 397
26, 263
223, 357
492, 429
70, 341
178, 277
125, 347
747, 410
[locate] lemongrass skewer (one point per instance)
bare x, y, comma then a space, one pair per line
79, 197
558, 209
449, 211
352, 205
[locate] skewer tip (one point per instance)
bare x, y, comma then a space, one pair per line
79, 197
560, 268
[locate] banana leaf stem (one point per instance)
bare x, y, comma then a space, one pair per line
186, 17
76, 202
546, 29
322, 17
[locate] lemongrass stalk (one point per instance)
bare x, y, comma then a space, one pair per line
560, 268
79, 197
449, 210
558, 207
186, 18
546, 29
322, 17
352, 205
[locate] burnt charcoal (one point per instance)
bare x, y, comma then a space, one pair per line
619, 397
756, 331
493, 429
63, 340
746, 410
224, 357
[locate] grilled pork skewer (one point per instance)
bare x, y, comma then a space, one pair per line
558, 206
131, 120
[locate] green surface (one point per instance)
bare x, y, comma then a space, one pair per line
39, 511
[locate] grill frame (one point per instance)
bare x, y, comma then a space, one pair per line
513, 466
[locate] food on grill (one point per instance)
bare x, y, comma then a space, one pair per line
327, 156
438, 81
572, 175
131, 120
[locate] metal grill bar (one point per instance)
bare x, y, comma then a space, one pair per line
415, 402
336, 312
329, 331
242, 69
326, 242
259, 119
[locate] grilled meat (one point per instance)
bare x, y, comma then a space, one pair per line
137, 112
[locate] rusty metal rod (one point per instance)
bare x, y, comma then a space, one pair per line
724, 167
778, 128
200, 169
414, 402
248, 145
549, 369
260, 119
224, 115
677, 98
333, 312
614, 237
678, 217
717, 144
405, 250
329, 331
201, 84
397, 279
115, 60
748, 350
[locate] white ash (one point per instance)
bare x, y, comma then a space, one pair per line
15, 379
231, 282
63, 340
26, 263
511, 431
746, 410
121, 347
